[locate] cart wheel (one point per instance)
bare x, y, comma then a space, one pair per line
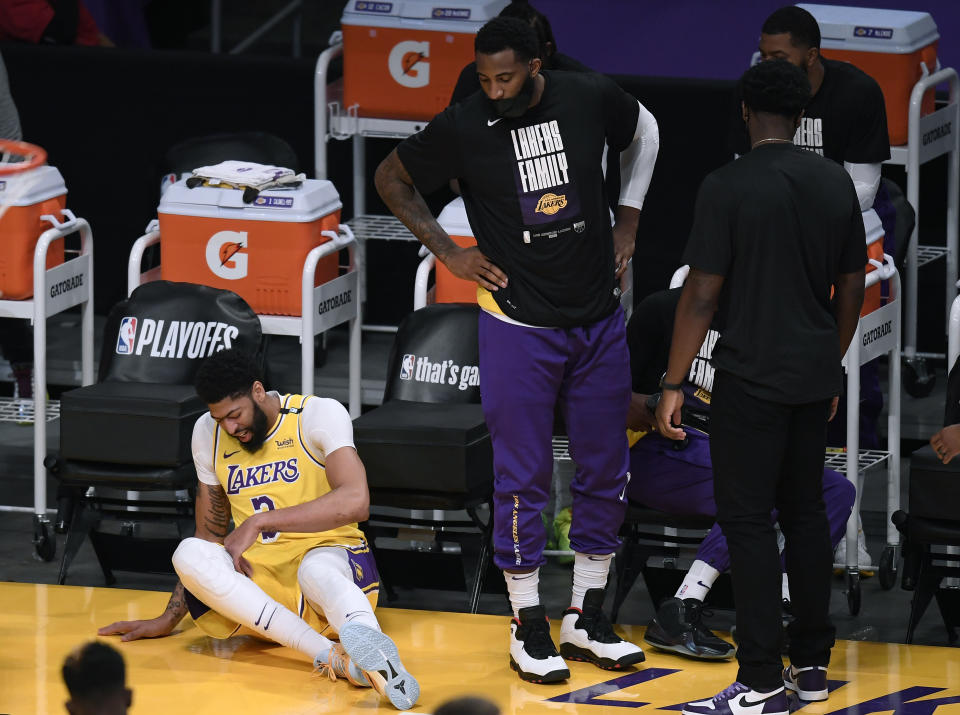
918, 380
888, 568
44, 542
853, 593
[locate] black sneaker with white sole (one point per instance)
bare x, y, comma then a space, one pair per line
532, 652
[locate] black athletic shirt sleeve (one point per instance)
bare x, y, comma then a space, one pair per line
621, 112
710, 247
869, 140
432, 155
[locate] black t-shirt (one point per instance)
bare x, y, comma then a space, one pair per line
845, 120
780, 225
468, 82
534, 192
649, 333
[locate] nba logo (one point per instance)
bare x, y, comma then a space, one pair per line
128, 331
406, 366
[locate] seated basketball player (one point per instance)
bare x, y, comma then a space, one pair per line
678, 477
285, 468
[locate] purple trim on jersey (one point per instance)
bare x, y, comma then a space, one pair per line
681, 482
524, 374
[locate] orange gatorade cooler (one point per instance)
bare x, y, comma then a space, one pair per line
401, 58
20, 226
449, 288
873, 228
895, 47
257, 250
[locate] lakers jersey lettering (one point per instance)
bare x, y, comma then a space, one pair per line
701, 371
544, 182
239, 478
284, 472
809, 134
541, 160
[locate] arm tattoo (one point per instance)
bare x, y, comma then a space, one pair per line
177, 605
401, 196
217, 518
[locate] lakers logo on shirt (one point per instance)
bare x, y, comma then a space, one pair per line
357, 570
549, 204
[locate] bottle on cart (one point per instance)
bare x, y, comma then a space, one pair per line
23, 389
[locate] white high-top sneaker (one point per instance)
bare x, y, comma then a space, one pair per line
532, 652
586, 634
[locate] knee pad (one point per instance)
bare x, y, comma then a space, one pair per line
204, 566
324, 573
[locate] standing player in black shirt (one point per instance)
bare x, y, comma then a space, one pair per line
846, 120
526, 152
773, 233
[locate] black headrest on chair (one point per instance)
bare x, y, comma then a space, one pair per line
163, 331
435, 356
258, 147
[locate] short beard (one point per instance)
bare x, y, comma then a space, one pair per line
258, 430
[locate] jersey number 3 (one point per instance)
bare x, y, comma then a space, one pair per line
265, 504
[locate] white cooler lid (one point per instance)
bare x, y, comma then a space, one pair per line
872, 226
308, 202
465, 16
895, 32
45, 183
453, 219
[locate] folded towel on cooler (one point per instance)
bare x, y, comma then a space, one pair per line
247, 173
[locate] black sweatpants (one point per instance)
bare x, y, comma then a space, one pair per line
769, 455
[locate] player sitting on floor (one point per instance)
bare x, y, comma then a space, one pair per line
285, 468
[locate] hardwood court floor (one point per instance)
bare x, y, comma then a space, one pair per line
451, 654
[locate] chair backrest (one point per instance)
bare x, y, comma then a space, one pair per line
435, 356
258, 147
163, 331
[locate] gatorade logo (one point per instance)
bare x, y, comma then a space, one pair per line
227, 254
408, 63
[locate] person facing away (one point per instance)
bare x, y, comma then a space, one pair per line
677, 477
96, 679
774, 233
286, 470
526, 151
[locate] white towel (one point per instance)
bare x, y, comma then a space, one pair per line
246, 173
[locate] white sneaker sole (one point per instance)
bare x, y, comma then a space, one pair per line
373, 651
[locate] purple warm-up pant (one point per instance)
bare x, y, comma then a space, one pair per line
681, 482
525, 374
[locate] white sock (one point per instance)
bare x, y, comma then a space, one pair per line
785, 588
206, 570
326, 580
589, 571
698, 581
523, 589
